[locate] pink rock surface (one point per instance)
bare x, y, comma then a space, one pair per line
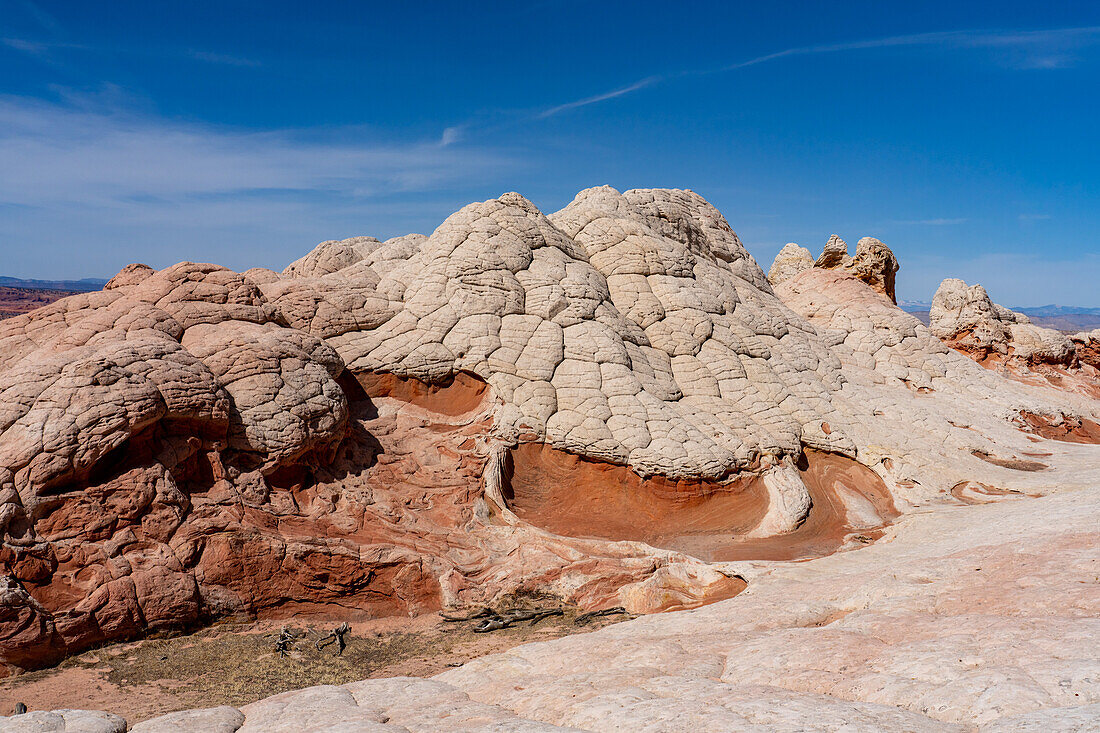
371, 432
970, 618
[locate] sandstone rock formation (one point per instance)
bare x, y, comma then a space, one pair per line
609, 404
834, 254
874, 263
1087, 345
72, 721
967, 315
968, 320
969, 618
929, 414
790, 261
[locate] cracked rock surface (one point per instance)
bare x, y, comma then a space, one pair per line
373, 430
969, 618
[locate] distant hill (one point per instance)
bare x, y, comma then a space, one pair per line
17, 296
1061, 311
17, 301
1058, 310
1069, 322
1065, 318
80, 286
921, 314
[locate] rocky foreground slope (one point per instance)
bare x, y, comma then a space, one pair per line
969, 618
611, 404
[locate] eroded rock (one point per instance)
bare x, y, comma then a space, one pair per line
790, 261
976, 619
969, 321
362, 433
874, 263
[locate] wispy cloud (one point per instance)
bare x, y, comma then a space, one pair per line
40, 16
1040, 42
1049, 61
34, 48
1033, 217
451, 135
139, 187
47, 50
222, 58
932, 222
1037, 49
53, 152
640, 84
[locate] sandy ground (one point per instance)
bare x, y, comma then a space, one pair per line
236, 663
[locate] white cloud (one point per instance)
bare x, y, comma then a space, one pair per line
933, 222
1037, 43
640, 84
21, 44
54, 153
40, 16
45, 51
451, 135
89, 185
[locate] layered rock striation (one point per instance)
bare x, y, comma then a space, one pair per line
971, 618
395, 427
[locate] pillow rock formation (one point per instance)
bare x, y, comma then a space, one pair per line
969, 321
611, 404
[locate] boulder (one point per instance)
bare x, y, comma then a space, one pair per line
965, 312
63, 721
874, 264
222, 719
834, 254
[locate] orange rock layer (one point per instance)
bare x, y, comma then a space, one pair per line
575, 497
391, 523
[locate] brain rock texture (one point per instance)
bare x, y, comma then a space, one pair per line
381, 427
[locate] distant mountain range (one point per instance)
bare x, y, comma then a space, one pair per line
1053, 311
1065, 318
84, 285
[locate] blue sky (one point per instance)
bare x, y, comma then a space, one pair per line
964, 135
